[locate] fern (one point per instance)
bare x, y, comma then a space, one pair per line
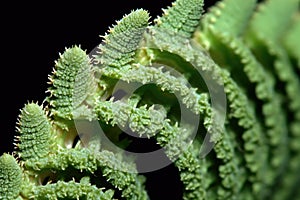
217, 91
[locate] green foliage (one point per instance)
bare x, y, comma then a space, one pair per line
218, 34
171, 137
170, 73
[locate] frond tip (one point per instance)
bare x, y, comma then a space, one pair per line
119, 46
34, 132
71, 82
182, 17
10, 177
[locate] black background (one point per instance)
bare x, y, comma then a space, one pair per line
33, 34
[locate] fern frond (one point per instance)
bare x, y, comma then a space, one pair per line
182, 17
34, 129
231, 168
239, 106
71, 82
246, 71
268, 43
71, 190
236, 70
120, 174
122, 41
171, 137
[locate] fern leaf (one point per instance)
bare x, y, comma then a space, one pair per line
34, 140
230, 168
123, 40
182, 17
71, 83
198, 104
239, 75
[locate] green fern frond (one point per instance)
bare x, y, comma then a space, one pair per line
63, 190
236, 70
121, 175
239, 106
249, 73
71, 83
268, 43
182, 17
149, 122
122, 41
34, 129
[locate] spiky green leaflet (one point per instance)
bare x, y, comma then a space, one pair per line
34, 138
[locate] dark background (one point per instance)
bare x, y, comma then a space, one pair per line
33, 34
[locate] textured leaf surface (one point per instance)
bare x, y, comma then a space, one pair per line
63, 190
182, 17
71, 83
10, 177
120, 174
34, 140
123, 40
